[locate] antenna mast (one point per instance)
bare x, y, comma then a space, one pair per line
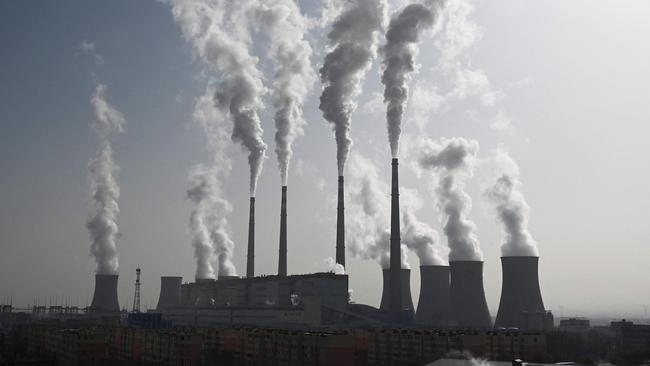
136, 297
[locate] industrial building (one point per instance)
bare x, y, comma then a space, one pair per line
450, 296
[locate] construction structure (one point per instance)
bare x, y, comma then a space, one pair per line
170, 292
405, 286
282, 257
136, 296
105, 295
250, 259
433, 304
469, 309
340, 225
520, 292
397, 308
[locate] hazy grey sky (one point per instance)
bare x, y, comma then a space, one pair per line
564, 86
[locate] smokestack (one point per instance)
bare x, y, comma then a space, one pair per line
340, 225
433, 305
282, 262
396, 305
405, 281
250, 260
467, 297
520, 290
170, 292
105, 296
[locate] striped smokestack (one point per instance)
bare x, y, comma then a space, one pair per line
340, 226
250, 260
282, 261
396, 305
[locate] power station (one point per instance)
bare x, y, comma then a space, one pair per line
450, 296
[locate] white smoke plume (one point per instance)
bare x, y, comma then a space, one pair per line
285, 27
399, 55
333, 267
218, 31
102, 226
511, 208
419, 236
452, 161
353, 41
368, 226
208, 220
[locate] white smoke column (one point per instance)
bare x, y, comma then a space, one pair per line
419, 236
353, 42
512, 209
399, 55
285, 27
218, 31
453, 160
102, 226
208, 220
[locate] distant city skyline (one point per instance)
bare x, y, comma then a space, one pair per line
560, 86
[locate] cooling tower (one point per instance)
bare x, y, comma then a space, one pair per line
105, 296
340, 226
406, 300
520, 290
396, 288
170, 292
433, 305
250, 260
467, 297
282, 259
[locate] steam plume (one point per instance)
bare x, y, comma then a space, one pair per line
353, 41
399, 55
512, 209
102, 226
208, 220
218, 31
294, 76
453, 162
368, 230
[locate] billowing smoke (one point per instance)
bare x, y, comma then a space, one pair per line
452, 161
368, 226
285, 27
218, 31
419, 236
102, 226
208, 224
511, 208
399, 55
333, 267
208, 220
353, 41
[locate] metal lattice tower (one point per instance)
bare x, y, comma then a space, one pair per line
136, 297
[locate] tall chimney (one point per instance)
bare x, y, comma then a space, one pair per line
467, 296
340, 226
282, 261
250, 260
433, 305
170, 292
396, 305
105, 296
407, 300
520, 291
